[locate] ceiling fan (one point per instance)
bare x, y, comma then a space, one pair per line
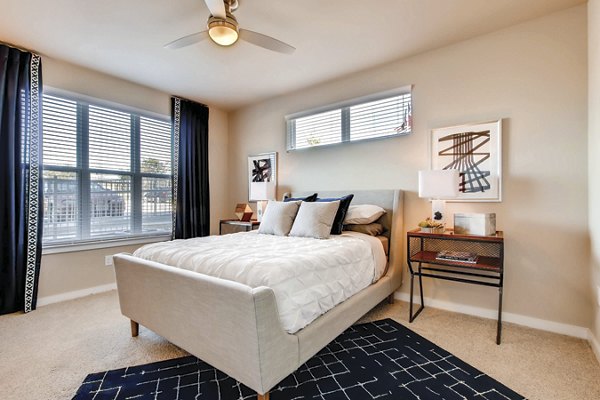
224, 30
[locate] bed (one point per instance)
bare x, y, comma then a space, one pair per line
237, 328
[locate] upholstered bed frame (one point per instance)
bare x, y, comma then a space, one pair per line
236, 328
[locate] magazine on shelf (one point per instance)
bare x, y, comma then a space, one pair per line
458, 256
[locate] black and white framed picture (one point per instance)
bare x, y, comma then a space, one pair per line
475, 150
262, 168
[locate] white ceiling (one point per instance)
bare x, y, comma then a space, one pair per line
125, 38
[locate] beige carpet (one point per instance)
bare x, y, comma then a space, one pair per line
47, 353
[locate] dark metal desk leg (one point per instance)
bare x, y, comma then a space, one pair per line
410, 307
421, 287
412, 280
499, 332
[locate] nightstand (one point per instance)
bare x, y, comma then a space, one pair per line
487, 269
237, 225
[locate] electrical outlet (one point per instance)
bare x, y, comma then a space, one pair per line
108, 260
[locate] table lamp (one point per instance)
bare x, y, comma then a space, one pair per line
438, 185
262, 192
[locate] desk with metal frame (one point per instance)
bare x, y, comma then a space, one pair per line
488, 270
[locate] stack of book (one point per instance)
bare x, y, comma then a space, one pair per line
458, 256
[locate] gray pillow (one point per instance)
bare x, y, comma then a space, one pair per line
278, 218
315, 219
363, 214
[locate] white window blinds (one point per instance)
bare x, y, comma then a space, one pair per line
382, 115
107, 173
318, 129
60, 132
109, 139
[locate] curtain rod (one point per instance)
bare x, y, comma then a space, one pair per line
21, 48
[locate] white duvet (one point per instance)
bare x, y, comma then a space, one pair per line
308, 276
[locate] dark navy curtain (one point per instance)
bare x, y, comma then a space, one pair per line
21, 199
190, 167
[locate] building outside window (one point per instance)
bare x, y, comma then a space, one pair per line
107, 172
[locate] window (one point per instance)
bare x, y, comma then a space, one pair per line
382, 115
107, 173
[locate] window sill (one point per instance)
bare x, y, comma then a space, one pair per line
93, 245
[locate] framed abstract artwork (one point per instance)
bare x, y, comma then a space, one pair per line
262, 168
475, 150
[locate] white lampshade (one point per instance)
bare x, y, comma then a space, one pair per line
262, 191
439, 184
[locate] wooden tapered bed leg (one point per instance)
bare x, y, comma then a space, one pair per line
262, 396
390, 299
135, 328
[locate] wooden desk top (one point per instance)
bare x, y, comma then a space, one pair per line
449, 234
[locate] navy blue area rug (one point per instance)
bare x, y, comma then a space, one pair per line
377, 360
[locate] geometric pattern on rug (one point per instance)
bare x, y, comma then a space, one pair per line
376, 360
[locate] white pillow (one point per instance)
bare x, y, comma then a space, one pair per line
363, 214
315, 219
278, 217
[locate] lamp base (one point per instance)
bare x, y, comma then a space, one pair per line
261, 206
438, 211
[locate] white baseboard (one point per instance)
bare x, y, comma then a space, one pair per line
544, 325
595, 344
550, 326
57, 298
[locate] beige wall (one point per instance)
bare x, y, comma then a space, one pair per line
594, 151
67, 272
533, 76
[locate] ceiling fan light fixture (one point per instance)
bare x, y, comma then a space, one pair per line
223, 29
223, 32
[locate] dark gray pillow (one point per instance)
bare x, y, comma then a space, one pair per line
338, 222
309, 199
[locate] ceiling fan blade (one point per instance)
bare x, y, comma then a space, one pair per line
187, 40
266, 42
216, 8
